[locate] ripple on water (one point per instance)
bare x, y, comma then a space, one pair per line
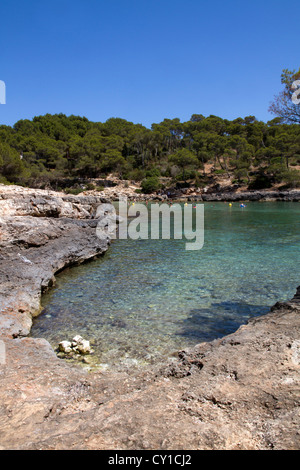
146, 299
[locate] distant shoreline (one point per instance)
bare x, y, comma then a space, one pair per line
119, 189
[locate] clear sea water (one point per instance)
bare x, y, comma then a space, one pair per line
145, 299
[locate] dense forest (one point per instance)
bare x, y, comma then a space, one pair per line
59, 151
66, 152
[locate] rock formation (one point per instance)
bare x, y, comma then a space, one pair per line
40, 234
238, 392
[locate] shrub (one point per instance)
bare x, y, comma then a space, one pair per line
74, 191
3, 180
291, 178
186, 175
150, 185
136, 175
167, 172
153, 172
261, 181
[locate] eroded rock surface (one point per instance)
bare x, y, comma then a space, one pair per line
40, 234
238, 392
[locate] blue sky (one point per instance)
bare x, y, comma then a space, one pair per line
145, 60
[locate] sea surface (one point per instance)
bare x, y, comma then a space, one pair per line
145, 299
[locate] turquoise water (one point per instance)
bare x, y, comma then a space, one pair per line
145, 299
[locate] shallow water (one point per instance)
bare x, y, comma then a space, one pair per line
145, 299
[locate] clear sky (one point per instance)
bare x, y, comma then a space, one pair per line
145, 60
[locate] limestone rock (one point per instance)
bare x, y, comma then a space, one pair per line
65, 346
240, 392
80, 345
84, 347
77, 339
34, 247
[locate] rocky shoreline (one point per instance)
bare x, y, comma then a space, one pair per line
41, 233
238, 392
214, 192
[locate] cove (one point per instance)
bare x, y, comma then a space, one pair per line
145, 299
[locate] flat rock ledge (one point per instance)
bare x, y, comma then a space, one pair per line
240, 392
